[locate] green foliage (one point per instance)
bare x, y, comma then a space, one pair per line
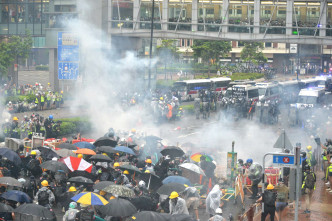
42, 68
211, 50
188, 108
74, 125
164, 83
29, 97
15, 47
252, 53
246, 76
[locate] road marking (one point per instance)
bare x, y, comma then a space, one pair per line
186, 135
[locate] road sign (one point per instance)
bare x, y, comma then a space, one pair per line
293, 48
68, 70
283, 159
283, 142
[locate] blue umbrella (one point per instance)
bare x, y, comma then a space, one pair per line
124, 150
84, 144
177, 179
17, 196
10, 155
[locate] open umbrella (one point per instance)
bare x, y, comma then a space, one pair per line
118, 208
130, 168
17, 196
177, 179
150, 216
65, 153
197, 157
144, 203
80, 180
118, 190
34, 210
100, 158
47, 153
4, 208
75, 163
168, 188
106, 149
54, 166
83, 174
152, 181
10, 181
102, 184
173, 151
84, 145
85, 151
124, 149
67, 146
10, 155
89, 198
192, 167
105, 141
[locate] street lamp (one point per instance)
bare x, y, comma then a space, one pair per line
151, 38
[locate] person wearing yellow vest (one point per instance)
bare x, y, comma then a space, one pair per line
42, 101
37, 101
48, 99
329, 173
309, 155
325, 148
308, 187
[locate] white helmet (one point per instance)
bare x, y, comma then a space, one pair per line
219, 211
141, 183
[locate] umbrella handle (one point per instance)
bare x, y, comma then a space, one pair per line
149, 182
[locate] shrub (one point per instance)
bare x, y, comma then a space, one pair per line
188, 108
74, 125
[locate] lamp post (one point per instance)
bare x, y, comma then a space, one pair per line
151, 38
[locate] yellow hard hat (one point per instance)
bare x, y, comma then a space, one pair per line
117, 154
185, 185
102, 193
80, 155
133, 130
161, 98
180, 108
44, 183
61, 92
173, 195
112, 197
148, 161
48, 83
72, 189
147, 171
15, 118
33, 153
309, 147
270, 187
116, 164
105, 154
126, 172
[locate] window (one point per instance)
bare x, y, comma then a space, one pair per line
188, 43
253, 93
268, 44
239, 11
240, 44
182, 42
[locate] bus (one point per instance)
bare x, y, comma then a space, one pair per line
220, 84
289, 91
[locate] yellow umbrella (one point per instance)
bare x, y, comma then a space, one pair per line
90, 198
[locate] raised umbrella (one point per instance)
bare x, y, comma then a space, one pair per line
124, 149
100, 158
10, 155
83, 174
168, 188
42, 213
107, 149
80, 180
67, 146
102, 184
85, 151
118, 208
89, 198
130, 168
153, 181
118, 190
197, 157
65, 153
10, 181
177, 179
173, 151
192, 167
17, 196
85, 145
105, 141
47, 153
54, 166
4, 208
150, 216
75, 163
144, 203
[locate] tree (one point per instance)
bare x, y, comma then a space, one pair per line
167, 51
252, 53
11, 50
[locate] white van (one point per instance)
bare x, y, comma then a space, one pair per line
325, 82
310, 97
268, 91
243, 91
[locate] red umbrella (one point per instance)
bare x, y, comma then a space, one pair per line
75, 163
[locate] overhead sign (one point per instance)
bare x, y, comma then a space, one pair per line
284, 159
293, 48
283, 142
68, 56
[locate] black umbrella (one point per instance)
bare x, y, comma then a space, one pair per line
107, 149
17, 196
10, 155
47, 153
31, 209
150, 216
168, 188
10, 181
173, 151
100, 158
4, 208
83, 174
54, 166
119, 190
118, 208
152, 181
105, 141
102, 184
80, 180
67, 146
130, 168
144, 203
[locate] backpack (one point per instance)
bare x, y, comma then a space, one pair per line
72, 214
43, 198
86, 215
310, 181
269, 198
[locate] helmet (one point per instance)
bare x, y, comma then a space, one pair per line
240, 161
133, 130
161, 98
270, 187
102, 193
44, 183
126, 172
50, 117
80, 155
180, 108
112, 197
148, 161
105, 154
307, 167
9, 102
309, 148
147, 171
15, 118
61, 92
303, 154
116, 164
219, 211
72, 205
33, 153
141, 183
173, 195
48, 83
249, 160
72, 189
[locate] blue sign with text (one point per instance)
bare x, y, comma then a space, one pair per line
68, 70
284, 159
68, 56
